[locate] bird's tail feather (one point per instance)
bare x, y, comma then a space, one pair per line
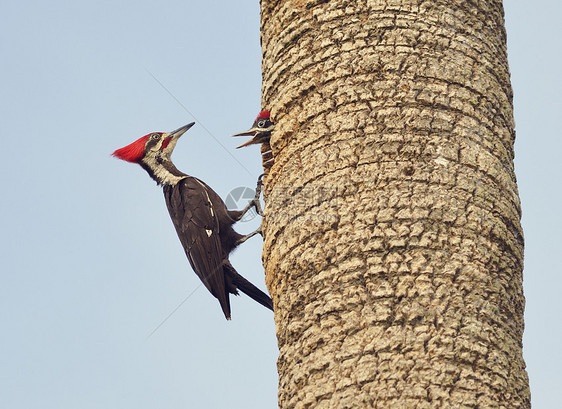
249, 289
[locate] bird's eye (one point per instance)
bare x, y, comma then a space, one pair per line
155, 136
261, 124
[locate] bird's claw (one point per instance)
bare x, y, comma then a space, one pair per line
252, 234
256, 199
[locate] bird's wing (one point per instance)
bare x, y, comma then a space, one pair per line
197, 226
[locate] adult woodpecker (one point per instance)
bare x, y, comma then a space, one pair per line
260, 133
201, 219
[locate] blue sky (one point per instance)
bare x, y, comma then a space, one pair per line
90, 262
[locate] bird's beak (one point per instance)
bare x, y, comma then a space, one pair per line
247, 143
249, 132
180, 131
171, 138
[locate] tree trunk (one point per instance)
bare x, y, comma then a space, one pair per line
393, 248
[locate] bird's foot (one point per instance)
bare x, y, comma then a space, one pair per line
256, 200
247, 236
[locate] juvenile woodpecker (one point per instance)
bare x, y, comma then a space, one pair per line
201, 219
260, 133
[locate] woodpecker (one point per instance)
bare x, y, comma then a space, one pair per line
260, 133
202, 221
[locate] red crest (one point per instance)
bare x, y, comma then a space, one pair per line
133, 152
263, 115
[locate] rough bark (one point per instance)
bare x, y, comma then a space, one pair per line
393, 247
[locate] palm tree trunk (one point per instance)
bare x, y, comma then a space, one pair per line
393, 246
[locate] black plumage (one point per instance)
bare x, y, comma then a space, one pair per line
204, 227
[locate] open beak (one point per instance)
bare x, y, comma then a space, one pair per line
249, 132
252, 141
